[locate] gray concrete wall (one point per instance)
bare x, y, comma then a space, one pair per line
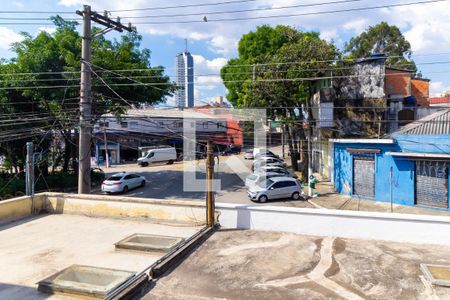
366, 81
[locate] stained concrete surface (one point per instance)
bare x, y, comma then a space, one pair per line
35, 248
236, 264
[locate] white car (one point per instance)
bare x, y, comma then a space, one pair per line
275, 188
248, 154
122, 182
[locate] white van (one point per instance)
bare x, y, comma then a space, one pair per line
152, 156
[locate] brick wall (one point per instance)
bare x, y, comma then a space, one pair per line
420, 88
400, 82
396, 82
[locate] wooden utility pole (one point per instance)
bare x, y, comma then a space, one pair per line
84, 158
210, 206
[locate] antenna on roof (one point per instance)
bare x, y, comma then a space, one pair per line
185, 45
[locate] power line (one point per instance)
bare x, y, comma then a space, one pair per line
184, 6
241, 10
35, 12
356, 59
293, 15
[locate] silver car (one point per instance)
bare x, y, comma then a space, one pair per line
255, 178
275, 188
276, 169
260, 163
122, 182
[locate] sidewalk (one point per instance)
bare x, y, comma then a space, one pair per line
329, 198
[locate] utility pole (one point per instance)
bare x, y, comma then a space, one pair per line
29, 170
282, 139
210, 206
309, 130
84, 158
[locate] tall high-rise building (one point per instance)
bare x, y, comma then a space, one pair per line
184, 69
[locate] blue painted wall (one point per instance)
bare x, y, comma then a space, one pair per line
403, 178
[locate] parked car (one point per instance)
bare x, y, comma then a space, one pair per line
266, 154
263, 151
269, 159
122, 182
256, 178
158, 155
275, 188
272, 162
248, 154
275, 169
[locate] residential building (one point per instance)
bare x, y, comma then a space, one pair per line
151, 127
439, 102
408, 167
373, 100
184, 70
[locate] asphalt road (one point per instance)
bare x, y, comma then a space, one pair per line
166, 182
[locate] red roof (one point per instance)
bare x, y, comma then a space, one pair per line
439, 100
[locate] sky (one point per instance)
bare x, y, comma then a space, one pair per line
212, 43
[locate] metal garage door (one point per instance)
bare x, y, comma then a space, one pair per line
432, 183
364, 176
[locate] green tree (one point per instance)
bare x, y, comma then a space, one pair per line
279, 76
57, 108
383, 38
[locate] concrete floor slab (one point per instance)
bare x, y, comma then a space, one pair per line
35, 248
235, 264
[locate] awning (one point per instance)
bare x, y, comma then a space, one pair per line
419, 155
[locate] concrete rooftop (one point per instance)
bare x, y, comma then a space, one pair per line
238, 264
37, 247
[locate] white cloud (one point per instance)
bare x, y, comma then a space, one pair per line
357, 26
426, 26
329, 35
7, 37
18, 4
223, 45
437, 88
207, 72
49, 30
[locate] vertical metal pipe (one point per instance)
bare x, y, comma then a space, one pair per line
29, 170
209, 179
390, 188
106, 147
84, 158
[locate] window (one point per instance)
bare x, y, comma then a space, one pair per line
278, 185
124, 124
134, 125
178, 125
128, 177
205, 125
103, 124
289, 183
